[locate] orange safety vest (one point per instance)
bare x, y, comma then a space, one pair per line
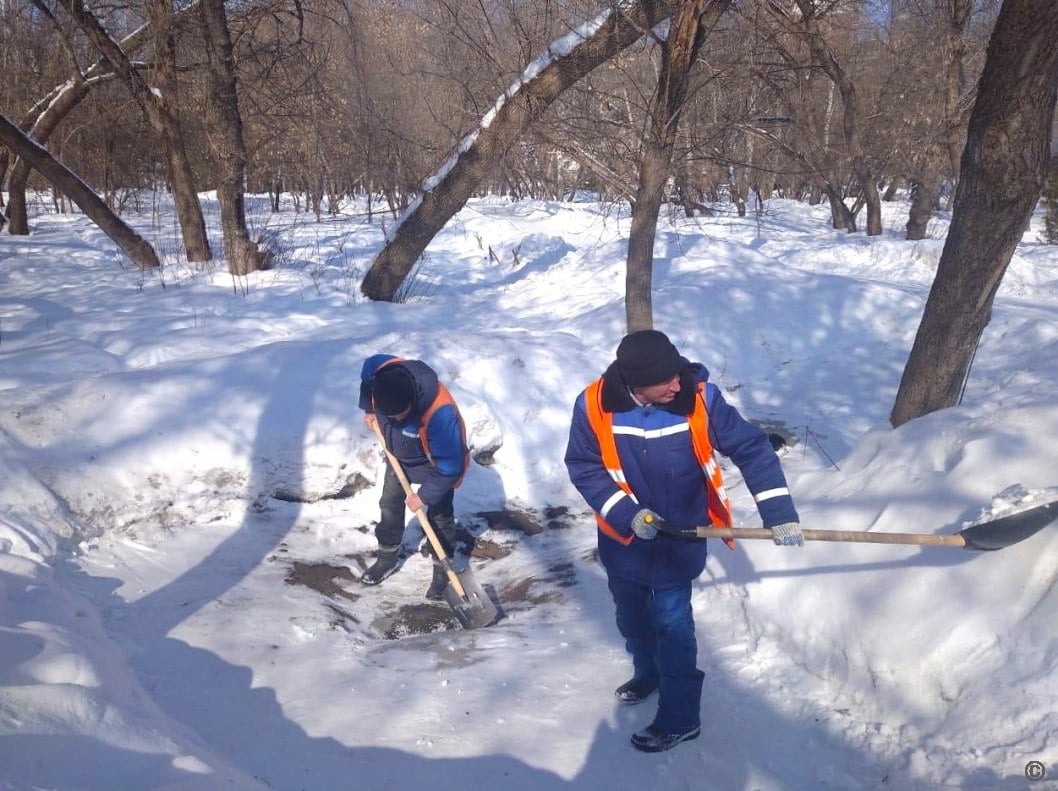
601, 423
443, 397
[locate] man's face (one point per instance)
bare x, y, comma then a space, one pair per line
663, 393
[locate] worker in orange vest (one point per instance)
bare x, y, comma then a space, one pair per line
422, 428
642, 452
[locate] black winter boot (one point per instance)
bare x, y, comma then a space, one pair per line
387, 561
634, 691
436, 591
654, 740
464, 540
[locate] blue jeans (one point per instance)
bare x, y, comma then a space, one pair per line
658, 628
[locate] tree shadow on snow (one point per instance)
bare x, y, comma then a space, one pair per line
228, 715
746, 741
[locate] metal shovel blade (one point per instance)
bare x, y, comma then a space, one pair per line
473, 610
1007, 530
471, 605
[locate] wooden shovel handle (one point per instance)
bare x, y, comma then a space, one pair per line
420, 513
855, 536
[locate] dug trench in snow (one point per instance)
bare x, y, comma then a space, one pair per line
340, 585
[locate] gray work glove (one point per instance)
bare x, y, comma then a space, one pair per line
643, 524
788, 535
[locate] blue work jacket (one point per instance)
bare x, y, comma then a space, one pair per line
444, 467
664, 475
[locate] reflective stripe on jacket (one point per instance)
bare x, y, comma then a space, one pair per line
661, 466
602, 425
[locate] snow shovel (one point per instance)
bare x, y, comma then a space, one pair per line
993, 534
471, 604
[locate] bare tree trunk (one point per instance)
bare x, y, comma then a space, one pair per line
653, 173
4, 160
157, 106
16, 224
623, 27
137, 249
225, 136
924, 190
48, 121
851, 116
958, 13
841, 216
1003, 169
678, 53
48, 113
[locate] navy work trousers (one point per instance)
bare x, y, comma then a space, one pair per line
658, 628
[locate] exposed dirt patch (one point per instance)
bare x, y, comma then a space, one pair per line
528, 592
412, 619
539, 590
323, 577
510, 519
334, 579
484, 549
353, 485
558, 517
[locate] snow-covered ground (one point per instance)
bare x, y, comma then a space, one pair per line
187, 492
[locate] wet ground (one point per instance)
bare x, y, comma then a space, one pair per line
340, 584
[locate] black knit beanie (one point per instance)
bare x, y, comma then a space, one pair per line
392, 391
647, 357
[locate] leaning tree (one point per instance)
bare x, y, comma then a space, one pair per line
66, 181
614, 31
